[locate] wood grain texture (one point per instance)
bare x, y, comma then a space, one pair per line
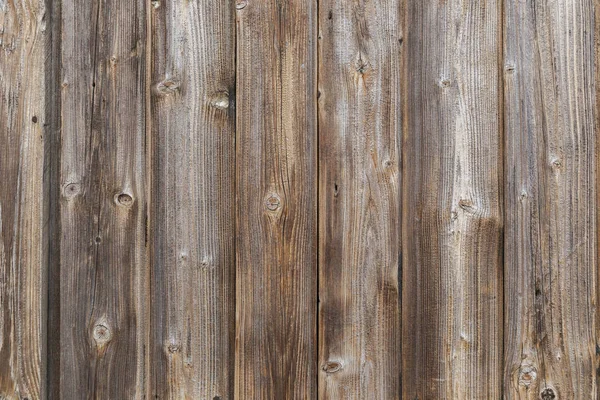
193, 198
359, 199
104, 283
551, 200
23, 234
452, 225
276, 200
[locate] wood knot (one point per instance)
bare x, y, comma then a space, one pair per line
168, 86
220, 101
556, 163
453, 216
467, 205
509, 68
331, 367
527, 375
173, 348
71, 190
205, 263
34, 119
241, 4
548, 394
273, 202
444, 82
102, 334
124, 199
361, 67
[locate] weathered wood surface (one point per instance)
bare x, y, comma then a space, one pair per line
359, 199
551, 200
276, 200
24, 38
192, 202
103, 277
299, 199
452, 221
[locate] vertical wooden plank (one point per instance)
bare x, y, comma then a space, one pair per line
276, 193
359, 198
23, 50
551, 200
193, 197
452, 225
103, 207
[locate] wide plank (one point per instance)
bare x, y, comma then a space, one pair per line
360, 133
551, 200
452, 201
103, 274
276, 211
192, 217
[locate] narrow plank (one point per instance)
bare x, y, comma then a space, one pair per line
452, 225
359, 199
104, 282
23, 232
193, 196
276, 191
53, 192
551, 200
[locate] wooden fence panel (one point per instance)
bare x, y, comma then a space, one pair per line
452, 224
103, 278
359, 199
193, 195
276, 200
24, 117
551, 200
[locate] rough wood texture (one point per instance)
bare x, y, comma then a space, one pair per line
452, 225
551, 200
103, 208
23, 117
276, 200
193, 196
359, 199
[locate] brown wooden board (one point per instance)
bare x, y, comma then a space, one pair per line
103, 274
24, 133
360, 47
192, 216
452, 221
551, 200
276, 200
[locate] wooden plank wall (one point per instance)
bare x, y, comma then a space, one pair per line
298, 199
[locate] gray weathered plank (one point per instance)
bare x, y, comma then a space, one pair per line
193, 195
276, 200
103, 293
551, 200
359, 199
24, 38
452, 221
